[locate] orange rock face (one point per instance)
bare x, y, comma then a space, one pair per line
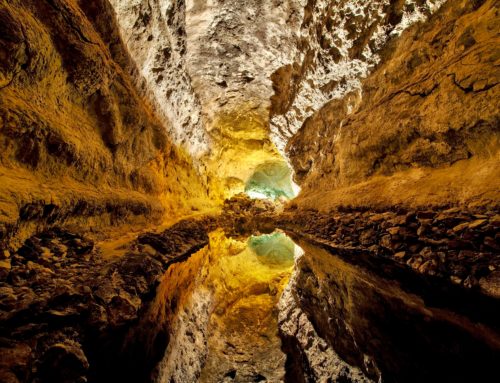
424, 128
137, 113
77, 142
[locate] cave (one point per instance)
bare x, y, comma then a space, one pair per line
271, 180
257, 191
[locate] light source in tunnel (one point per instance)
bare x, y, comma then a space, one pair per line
272, 179
275, 249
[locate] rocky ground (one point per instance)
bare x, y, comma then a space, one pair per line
65, 311
68, 313
458, 245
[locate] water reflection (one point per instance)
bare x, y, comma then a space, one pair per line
227, 328
393, 324
274, 250
346, 317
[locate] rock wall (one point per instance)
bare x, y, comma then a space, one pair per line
155, 34
206, 65
338, 44
233, 47
423, 130
78, 145
239, 78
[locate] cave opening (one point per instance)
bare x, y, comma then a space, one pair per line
272, 180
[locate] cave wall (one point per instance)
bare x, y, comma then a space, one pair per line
422, 130
155, 34
207, 66
238, 79
338, 44
79, 145
237, 85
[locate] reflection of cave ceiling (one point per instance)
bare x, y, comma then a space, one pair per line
273, 249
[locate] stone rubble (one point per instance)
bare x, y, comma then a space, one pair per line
455, 244
63, 306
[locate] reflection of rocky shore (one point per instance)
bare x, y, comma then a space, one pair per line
460, 246
390, 324
65, 312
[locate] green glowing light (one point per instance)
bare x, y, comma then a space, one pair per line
275, 249
271, 180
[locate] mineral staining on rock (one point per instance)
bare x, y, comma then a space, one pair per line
239, 79
338, 44
78, 143
425, 130
217, 97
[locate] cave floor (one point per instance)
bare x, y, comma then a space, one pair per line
337, 312
252, 295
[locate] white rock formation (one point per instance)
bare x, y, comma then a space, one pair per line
202, 59
186, 353
154, 32
324, 363
234, 46
340, 43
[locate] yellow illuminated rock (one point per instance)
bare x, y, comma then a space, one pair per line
242, 147
230, 291
146, 145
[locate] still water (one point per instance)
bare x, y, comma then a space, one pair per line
266, 308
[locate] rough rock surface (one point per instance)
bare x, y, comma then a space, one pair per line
138, 111
229, 72
389, 323
460, 246
338, 43
77, 143
155, 34
424, 128
68, 315
206, 71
